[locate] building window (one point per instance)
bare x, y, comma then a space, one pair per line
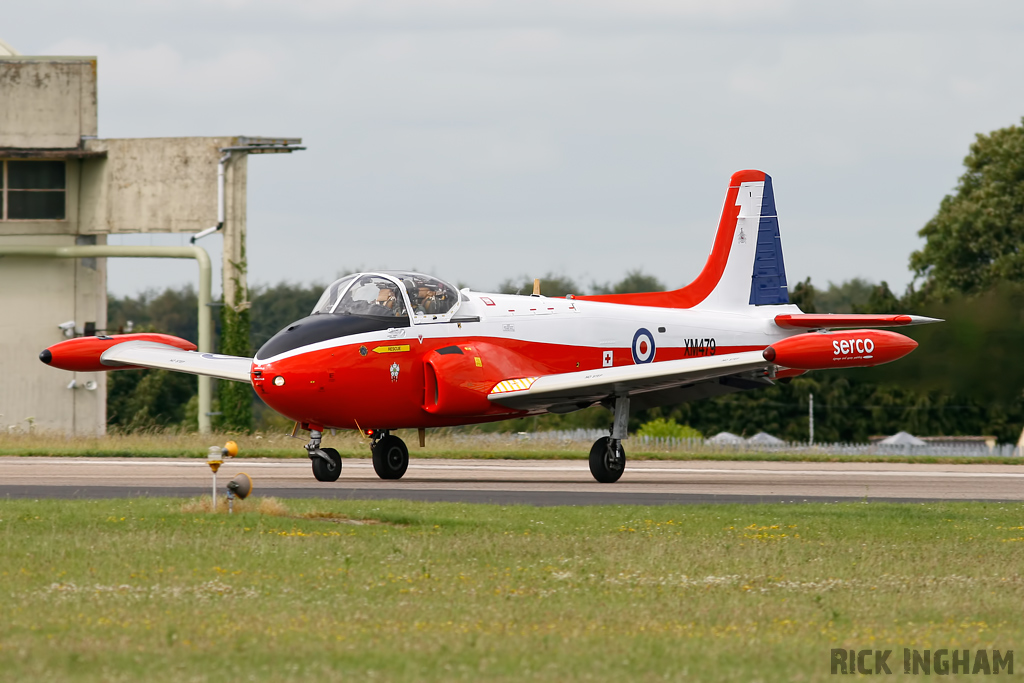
33, 190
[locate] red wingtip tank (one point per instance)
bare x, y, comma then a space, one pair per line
849, 349
83, 354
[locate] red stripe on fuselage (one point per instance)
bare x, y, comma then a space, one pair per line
698, 290
339, 387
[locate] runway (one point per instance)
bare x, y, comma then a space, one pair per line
533, 482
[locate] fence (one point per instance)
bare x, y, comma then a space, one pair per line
582, 438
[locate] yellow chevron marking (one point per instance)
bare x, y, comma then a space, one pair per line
513, 385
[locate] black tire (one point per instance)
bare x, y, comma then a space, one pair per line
390, 458
327, 471
606, 466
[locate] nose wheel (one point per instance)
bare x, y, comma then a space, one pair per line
329, 468
326, 461
390, 455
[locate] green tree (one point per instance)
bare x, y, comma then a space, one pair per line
274, 308
172, 311
803, 295
635, 282
661, 428
845, 297
146, 399
881, 300
974, 241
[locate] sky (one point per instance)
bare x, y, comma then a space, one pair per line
481, 140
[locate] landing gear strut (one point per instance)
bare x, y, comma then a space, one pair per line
390, 455
607, 456
326, 461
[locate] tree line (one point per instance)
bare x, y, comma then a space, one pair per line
965, 378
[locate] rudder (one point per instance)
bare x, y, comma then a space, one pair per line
768, 282
745, 267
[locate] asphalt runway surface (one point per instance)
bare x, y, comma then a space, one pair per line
531, 482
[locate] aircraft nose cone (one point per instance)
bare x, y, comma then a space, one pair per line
46, 356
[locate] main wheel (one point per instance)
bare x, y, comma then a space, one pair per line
390, 458
327, 471
607, 464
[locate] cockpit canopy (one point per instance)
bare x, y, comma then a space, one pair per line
389, 294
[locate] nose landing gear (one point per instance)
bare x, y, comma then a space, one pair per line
326, 461
390, 455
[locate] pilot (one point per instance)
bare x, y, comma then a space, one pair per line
364, 300
428, 300
416, 295
388, 298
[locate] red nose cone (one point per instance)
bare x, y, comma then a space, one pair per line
769, 354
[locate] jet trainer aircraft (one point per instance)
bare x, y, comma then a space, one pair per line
388, 350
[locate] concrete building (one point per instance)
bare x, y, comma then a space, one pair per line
61, 185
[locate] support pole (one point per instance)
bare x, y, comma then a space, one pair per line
235, 399
125, 251
810, 419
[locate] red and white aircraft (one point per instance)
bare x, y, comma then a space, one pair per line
389, 350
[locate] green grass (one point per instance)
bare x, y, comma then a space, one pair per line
439, 445
154, 589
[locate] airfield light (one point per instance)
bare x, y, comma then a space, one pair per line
279, 381
215, 458
240, 486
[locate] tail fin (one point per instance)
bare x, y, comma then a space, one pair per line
745, 267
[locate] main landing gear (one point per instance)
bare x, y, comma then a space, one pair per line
607, 456
326, 461
390, 455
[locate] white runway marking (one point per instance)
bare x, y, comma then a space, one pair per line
523, 466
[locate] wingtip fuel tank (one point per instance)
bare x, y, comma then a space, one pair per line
83, 353
849, 349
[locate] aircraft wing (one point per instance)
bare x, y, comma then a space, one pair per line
148, 354
590, 386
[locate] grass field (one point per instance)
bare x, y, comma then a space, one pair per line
158, 589
442, 445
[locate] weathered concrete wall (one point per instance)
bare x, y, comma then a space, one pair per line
37, 295
47, 102
151, 185
48, 110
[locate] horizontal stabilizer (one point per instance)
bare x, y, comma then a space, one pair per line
164, 357
832, 321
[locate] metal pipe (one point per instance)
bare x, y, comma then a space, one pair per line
126, 251
220, 200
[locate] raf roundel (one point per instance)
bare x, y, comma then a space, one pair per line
643, 346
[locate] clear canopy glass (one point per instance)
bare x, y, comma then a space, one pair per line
390, 294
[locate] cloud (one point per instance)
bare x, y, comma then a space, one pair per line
166, 73
552, 128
